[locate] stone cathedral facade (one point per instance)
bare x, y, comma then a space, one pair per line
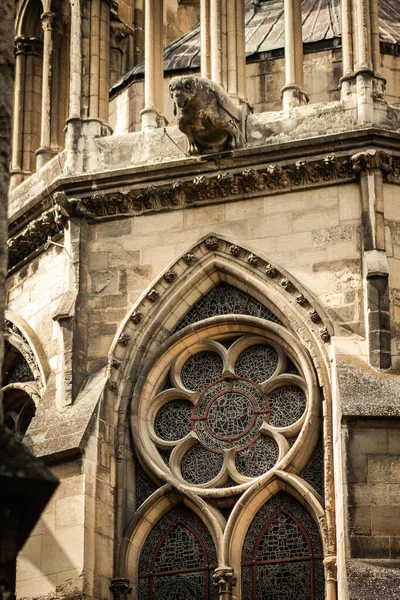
203, 313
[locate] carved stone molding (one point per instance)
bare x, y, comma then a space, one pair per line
330, 565
248, 182
208, 188
10, 329
213, 242
49, 224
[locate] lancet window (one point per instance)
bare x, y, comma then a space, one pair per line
178, 559
282, 554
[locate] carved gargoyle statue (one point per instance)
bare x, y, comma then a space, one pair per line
206, 115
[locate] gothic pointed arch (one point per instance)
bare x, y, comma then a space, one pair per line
23, 374
174, 539
217, 373
282, 553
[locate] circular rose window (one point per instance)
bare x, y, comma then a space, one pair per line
229, 409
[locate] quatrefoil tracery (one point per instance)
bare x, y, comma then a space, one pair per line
231, 410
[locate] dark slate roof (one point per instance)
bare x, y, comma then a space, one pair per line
265, 32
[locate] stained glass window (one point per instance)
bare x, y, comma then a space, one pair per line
287, 404
177, 559
173, 420
201, 369
225, 299
236, 395
282, 554
258, 362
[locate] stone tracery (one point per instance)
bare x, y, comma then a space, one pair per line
228, 409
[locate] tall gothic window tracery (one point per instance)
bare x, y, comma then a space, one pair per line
224, 410
236, 400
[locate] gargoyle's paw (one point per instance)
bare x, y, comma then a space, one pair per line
193, 149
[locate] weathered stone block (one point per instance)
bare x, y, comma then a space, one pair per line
383, 469
359, 520
98, 261
365, 440
369, 547
385, 521
105, 283
113, 229
357, 468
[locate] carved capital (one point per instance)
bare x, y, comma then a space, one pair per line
224, 579
330, 565
34, 46
189, 258
120, 588
124, 339
137, 317
170, 276
20, 45
252, 259
47, 19
372, 160
234, 250
153, 295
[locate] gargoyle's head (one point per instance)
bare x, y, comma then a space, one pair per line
183, 90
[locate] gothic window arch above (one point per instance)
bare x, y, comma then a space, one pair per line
282, 554
178, 559
19, 391
225, 299
230, 403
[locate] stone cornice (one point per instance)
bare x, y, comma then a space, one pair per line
205, 189
210, 186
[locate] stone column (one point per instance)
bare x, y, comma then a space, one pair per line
292, 92
44, 153
99, 59
120, 588
223, 53
205, 52
224, 580
152, 114
361, 58
89, 93
18, 114
347, 48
